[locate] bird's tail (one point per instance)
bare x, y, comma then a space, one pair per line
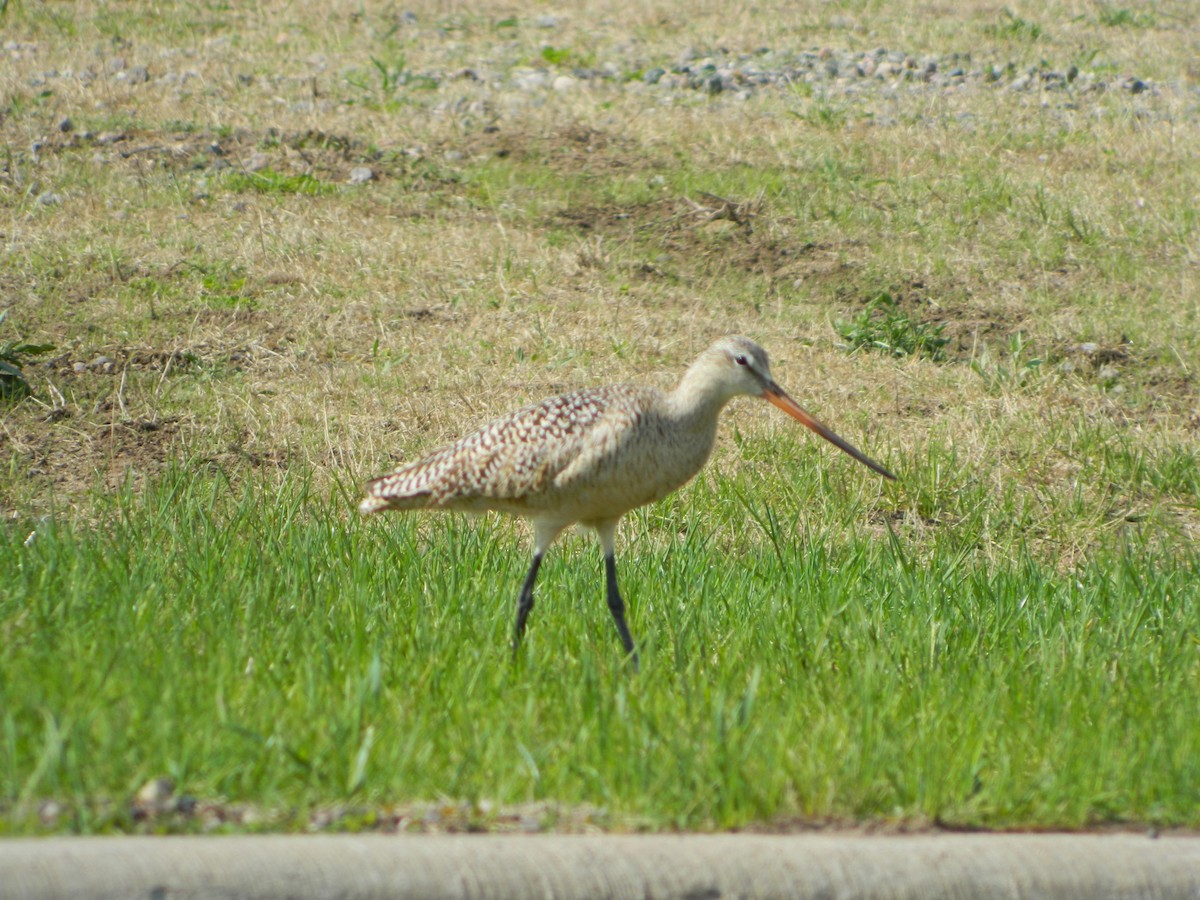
402, 489
372, 504
414, 486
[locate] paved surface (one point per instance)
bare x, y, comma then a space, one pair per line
569, 866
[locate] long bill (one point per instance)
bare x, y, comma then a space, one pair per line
774, 395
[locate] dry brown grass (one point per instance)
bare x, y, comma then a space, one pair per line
514, 246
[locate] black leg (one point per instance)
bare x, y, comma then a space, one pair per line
617, 606
525, 601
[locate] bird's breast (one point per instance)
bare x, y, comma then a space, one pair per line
632, 463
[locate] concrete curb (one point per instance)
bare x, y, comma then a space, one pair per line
596, 866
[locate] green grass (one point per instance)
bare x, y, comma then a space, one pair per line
1113, 16
13, 355
1005, 638
258, 646
1013, 27
884, 327
268, 181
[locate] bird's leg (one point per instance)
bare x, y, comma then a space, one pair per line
617, 606
544, 533
525, 601
607, 531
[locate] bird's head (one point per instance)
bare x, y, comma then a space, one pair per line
736, 365
742, 367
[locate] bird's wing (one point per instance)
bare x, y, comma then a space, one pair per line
605, 452
509, 459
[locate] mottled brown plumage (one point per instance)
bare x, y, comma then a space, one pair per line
591, 456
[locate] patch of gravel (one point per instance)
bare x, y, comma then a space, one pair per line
822, 81
852, 72
833, 71
159, 807
823, 72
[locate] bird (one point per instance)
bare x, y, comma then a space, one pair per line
589, 457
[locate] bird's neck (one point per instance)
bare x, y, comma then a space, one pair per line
698, 398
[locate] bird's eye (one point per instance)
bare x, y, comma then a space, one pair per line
742, 361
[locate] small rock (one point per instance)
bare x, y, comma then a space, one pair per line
116, 64
156, 792
547, 21
79, 368
530, 81
1020, 84
248, 816
1089, 347
453, 156
49, 198
1136, 86
137, 75
49, 811
105, 364
361, 175
565, 84
1108, 374
66, 125
408, 17
322, 819
257, 162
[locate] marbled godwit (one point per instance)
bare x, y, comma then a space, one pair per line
590, 457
